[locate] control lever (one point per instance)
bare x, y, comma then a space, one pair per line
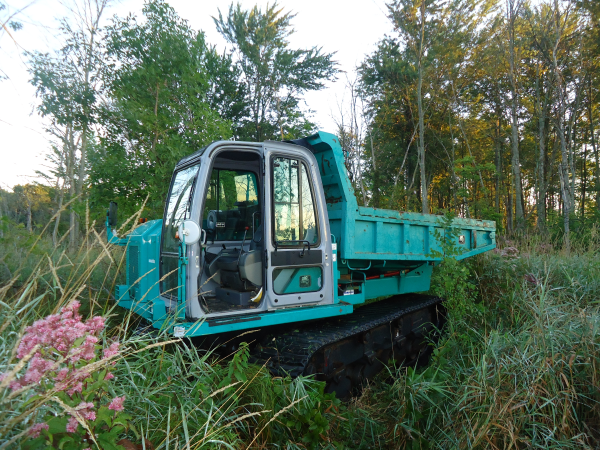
243, 241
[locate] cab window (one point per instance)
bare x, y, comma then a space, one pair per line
294, 213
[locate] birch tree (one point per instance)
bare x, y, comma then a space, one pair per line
417, 23
68, 84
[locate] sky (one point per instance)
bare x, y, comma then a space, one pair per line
350, 28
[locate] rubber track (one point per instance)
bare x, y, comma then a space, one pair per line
290, 353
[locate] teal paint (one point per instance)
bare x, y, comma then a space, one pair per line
371, 234
204, 328
142, 274
334, 269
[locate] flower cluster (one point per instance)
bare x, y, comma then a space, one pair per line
62, 340
35, 430
61, 348
117, 404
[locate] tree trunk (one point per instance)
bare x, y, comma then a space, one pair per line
73, 225
565, 179
424, 198
541, 182
29, 224
583, 181
516, 165
498, 162
57, 221
509, 210
594, 147
376, 194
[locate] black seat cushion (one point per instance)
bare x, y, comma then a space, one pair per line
228, 262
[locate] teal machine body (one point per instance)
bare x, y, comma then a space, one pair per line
283, 240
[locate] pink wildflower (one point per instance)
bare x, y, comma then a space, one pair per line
77, 388
72, 425
109, 376
60, 331
117, 404
84, 406
88, 348
55, 336
112, 350
71, 311
95, 324
35, 430
62, 374
32, 376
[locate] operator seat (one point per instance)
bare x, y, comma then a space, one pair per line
240, 272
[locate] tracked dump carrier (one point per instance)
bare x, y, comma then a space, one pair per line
269, 236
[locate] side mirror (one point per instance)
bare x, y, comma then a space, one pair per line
190, 230
112, 214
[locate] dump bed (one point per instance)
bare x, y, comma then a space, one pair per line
373, 234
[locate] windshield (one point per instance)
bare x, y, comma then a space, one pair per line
178, 207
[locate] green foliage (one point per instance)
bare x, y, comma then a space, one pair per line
274, 76
12, 24
526, 363
107, 428
452, 279
30, 205
186, 394
160, 108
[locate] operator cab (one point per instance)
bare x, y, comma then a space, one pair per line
264, 231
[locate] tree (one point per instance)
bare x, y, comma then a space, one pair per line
69, 86
417, 23
158, 107
8, 24
274, 75
512, 12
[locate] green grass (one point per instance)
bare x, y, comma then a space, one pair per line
517, 366
519, 370
179, 396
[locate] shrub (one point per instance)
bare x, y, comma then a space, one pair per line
61, 382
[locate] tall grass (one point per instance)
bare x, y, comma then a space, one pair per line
178, 396
522, 372
517, 366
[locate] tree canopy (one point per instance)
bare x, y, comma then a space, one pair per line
274, 75
486, 108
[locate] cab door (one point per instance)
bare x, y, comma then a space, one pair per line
298, 261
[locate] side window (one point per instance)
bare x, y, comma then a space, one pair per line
309, 219
178, 209
294, 212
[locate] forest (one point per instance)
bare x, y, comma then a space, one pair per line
484, 109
